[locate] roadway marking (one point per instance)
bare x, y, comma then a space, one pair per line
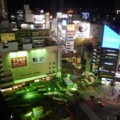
88, 112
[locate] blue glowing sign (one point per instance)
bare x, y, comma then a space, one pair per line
110, 38
64, 22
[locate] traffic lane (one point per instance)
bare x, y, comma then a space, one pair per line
81, 85
109, 110
78, 113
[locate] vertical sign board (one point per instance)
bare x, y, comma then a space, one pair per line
59, 59
19, 62
70, 27
47, 21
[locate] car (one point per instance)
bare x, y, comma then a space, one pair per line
101, 104
92, 97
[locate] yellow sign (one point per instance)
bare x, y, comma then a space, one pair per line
7, 37
70, 27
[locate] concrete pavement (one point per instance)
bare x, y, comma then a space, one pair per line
111, 92
86, 94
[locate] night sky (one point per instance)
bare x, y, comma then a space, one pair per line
45, 4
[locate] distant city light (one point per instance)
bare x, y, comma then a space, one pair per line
22, 53
13, 54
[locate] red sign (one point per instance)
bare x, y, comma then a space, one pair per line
19, 62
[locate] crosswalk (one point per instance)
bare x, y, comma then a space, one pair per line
88, 112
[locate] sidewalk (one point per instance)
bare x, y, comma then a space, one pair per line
109, 91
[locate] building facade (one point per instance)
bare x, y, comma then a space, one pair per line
34, 58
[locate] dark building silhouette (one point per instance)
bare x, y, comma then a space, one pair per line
117, 5
56, 6
4, 110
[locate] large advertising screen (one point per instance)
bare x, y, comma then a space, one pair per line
39, 19
19, 62
110, 39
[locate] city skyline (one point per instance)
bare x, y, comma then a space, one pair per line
45, 4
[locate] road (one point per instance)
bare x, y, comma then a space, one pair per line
103, 112
106, 113
109, 91
70, 69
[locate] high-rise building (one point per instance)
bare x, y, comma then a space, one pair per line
3, 9
56, 6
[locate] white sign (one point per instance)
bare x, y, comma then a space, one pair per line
82, 30
38, 59
39, 19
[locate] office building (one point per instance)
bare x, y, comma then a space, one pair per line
105, 60
36, 58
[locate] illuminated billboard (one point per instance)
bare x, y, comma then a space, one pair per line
37, 42
85, 15
59, 14
110, 39
19, 62
64, 22
70, 27
39, 19
24, 26
118, 12
82, 30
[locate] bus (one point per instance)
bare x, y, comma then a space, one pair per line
42, 90
68, 81
69, 94
60, 99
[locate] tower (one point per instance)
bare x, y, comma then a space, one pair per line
3, 9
